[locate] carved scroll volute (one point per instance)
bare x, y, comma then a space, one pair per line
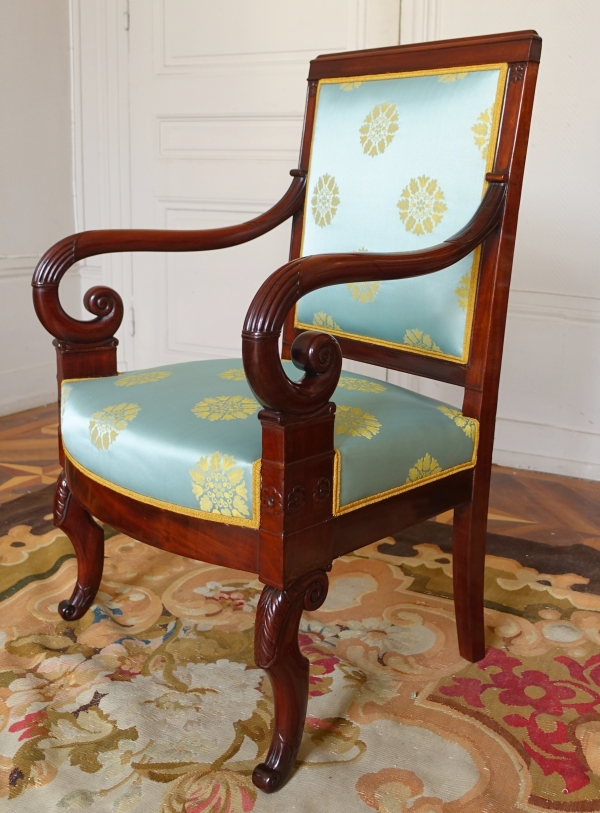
275, 609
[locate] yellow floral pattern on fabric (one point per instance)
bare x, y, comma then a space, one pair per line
355, 421
235, 374
422, 205
379, 128
325, 200
361, 384
424, 467
348, 86
463, 291
141, 378
64, 394
106, 425
416, 338
468, 425
218, 483
482, 130
225, 408
364, 291
447, 78
323, 319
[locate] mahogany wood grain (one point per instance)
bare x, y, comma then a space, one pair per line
87, 538
299, 536
221, 544
276, 650
380, 519
518, 46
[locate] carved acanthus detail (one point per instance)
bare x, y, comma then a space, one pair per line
62, 496
274, 608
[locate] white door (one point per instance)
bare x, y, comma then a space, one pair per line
217, 94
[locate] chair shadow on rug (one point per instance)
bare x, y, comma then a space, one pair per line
396, 260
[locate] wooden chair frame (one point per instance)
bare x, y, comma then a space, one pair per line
299, 537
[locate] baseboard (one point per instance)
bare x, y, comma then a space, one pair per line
573, 453
27, 388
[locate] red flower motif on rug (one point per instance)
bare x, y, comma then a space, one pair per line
544, 714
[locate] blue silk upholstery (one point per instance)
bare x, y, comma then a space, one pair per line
398, 164
186, 437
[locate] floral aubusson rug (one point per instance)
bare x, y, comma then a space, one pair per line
152, 702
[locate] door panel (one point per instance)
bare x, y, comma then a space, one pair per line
217, 93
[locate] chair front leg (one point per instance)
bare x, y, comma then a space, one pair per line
87, 537
276, 650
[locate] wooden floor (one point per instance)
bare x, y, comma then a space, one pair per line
523, 504
28, 451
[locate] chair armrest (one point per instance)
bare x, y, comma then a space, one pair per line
319, 354
104, 303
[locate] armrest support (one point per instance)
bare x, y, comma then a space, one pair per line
318, 353
104, 303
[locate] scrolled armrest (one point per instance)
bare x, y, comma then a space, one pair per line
104, 303
280, 292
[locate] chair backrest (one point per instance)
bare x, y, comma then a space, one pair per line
397, 146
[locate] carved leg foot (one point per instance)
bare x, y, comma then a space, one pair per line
468, 549
276, 650
88, 540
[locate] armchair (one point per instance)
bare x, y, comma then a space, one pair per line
278, 467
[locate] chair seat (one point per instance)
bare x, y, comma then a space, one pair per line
186, 437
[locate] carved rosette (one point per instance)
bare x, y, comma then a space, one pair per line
271, 500
322, 490
517, 72
296, 500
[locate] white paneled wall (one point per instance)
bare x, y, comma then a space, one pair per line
36, 202
549, 408
549, 411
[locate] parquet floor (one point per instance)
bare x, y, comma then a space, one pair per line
28, 456
523, 504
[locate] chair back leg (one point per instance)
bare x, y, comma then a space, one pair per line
468, 566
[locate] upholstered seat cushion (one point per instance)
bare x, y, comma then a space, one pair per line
186, 437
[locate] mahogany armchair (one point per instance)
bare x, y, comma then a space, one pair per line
398, 258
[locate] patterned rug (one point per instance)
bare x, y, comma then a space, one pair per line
152, 703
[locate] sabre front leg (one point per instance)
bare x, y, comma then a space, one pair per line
87, 537
276, 650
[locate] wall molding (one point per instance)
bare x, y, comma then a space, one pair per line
230, 137
559, 326
420, 21
21, 265
229, 62
101, 141
545, 305
35, 385
574, 452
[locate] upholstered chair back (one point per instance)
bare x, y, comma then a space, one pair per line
398, 164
